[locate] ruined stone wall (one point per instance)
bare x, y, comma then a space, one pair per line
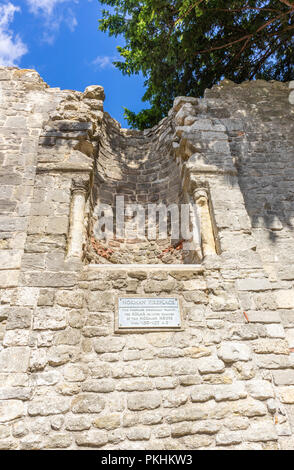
140, 167
66, 379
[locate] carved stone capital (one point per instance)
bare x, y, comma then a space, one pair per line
199, 194
80, 185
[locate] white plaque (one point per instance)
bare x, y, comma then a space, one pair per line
148, 312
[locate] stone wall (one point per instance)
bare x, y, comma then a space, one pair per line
139, 167
67, 380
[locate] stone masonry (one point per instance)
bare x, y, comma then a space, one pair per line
67, 381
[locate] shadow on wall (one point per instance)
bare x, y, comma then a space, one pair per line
260, 127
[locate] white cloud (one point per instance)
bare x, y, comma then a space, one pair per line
103, 62
11, 46
44, 6
54, 14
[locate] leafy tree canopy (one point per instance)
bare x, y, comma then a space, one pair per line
183, 47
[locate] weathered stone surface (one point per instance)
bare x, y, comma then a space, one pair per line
285, 299
87, 403
11, 410
233, 352
69, 298
210, 365
49, 319
67, 380
261, 432
107, 422
52, 406
14, 359
260, 389
283, 377
103, 345
77, 423
93, 438
144, 401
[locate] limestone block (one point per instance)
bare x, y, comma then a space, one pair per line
185, 111
69, 336
107, 422
264, 316
67, 298
260, 389
75, 373
253, 284
47, 318
187, 413
93, 438
58, 441
10, 259
38, 360
175, 399
286, 395
19, 318
9, 278
16, 338
283, 377
194, 442
103, 345
11, 410
285, 298
223, 301
77, 423
53, 405
15, 359
271, 346
159, 286
274, 361
27, 296
143, 401
230, 392
62, 354
166, 383
233, 352
46, 378
202, 393
98, 302
237, 424
138, 385
57, 422
207, 427
275, 331
17, 393
261, 432
229, 438
57, 225
182, 429
210, 365
87, 403
94, 92
19, 429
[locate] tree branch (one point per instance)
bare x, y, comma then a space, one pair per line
246, 38
196, 4
291, 5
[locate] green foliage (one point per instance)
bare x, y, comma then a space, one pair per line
183, 47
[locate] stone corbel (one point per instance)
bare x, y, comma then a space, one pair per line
201, 199
80, 189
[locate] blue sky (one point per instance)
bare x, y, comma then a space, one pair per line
60, 39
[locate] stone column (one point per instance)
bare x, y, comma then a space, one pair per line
208, 242
77, 214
